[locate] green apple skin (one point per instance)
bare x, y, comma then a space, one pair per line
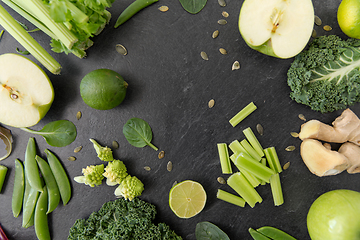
265, 48
335, 215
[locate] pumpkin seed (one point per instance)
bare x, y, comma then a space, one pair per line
294, 134
222, 3
222, 22
225, 14
215, 34
204, 56
161, 154
71, 158
314, 33
78, 149
327, 28
235, 66
78, 115
174, 183
121, 49
147, 168
290, 148
221, 180
211, 103
260, 129
115, 144
317, 20
223, 51
302, 117
286, 165
163, 8
169, 166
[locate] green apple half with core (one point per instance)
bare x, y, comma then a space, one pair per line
279, 28
26, 92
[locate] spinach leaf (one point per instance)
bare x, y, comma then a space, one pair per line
193, 6
209, 231
138, 133
57, 134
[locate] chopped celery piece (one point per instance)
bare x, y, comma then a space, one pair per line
230, 198
250, 150
263, 161
250, 136
233, 157
224, 158
246, 111
276, 190
273, 159
239, 183
236, 147
253, 166
254, 181
3, 171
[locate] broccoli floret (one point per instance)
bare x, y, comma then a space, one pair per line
326, 76
104, 153
129, 188
92, 175
115, 172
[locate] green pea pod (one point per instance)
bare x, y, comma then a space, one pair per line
50, 182
3, 171
26, 195
40, 218
19, 187
31, 166
60, 175
29, 207
275, 233
132, 9
257, 236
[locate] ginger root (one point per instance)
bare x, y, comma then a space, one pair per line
352, 152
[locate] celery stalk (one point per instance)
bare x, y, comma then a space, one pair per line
76, 13
224, 158
250, 136
236, 147
29, 43
246, 111
273, 159
276, 189
253, 166
230, 198
254, 181
250, 150
239, 183
263, 162
3, 171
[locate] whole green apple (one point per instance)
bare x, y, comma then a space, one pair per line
335, 215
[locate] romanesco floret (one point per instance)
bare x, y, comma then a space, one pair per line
115, 172
104, 153
92, 175
129, 188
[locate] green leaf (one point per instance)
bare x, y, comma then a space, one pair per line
58, 133
138, 133
193, 6
209, 231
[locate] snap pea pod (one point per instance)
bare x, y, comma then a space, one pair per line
31, 166
3, 171
50, 183
275, 233
257, 236
60, 175
41, 222
29, 205
19, 187
132, 9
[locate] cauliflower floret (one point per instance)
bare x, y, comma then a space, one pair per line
92, 175
115, 172
104, 153
129, 188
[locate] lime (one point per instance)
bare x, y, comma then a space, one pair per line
348, 17
103, 89
186, 199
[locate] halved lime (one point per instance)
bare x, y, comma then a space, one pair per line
187, 198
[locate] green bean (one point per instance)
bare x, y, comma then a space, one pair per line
19, 187
257, 236
41, 222
132, 9
50, 182
31, 166
3, 171
275, 233
60, 175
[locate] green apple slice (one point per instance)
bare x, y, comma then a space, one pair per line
279, 28
26, 92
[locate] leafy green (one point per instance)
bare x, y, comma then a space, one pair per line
57, 134
122, 219
193, 6
24, 52
209, 231
138, 133
326, 77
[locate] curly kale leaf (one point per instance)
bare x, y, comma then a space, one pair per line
326, 76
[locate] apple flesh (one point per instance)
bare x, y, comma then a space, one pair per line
26, 92
279, 28
335, 215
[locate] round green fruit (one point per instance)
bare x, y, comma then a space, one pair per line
103, 89
348, 17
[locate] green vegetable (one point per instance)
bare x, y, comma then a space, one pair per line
104, 153
19, 187
236, 147
250, 136
273, 159
250, 150
230, 198
31, 196
115, 172
326, 76
132, 9
138, 133
274, 233
224, 158
3, 171
129, 188
257, 236
92, 175
193, 6
57, 134
124, 220
41, 222
31, 167
23, 52
246, 111
276, 189
254, 181
209, 231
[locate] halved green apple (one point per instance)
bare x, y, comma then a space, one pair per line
279, 28
26, 92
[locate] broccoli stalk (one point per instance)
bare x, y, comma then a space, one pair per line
92, 175
115, 172
129, 188
104, 153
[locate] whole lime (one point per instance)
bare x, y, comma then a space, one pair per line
103, 89
348, 17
